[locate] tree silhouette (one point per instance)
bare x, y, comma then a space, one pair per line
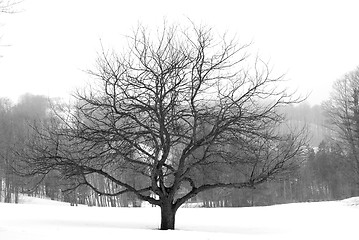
169, 109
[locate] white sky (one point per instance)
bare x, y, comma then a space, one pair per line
52, 42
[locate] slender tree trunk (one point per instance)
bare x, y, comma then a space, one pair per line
16, 191
1, 190
252, 198
8, 191
168, 214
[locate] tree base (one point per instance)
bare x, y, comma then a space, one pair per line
168, 214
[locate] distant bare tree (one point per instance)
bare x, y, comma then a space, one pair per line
14, 119
342, 109
6, 131
170, 107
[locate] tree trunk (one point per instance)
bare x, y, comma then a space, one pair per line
1, 190
168, 214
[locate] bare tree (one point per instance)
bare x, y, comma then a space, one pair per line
342, 110
164, 111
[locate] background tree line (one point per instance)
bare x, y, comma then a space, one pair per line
324, 175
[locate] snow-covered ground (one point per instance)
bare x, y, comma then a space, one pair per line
38, 219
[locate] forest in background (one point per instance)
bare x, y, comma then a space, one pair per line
323, 175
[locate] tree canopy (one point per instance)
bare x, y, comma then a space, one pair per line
182, 111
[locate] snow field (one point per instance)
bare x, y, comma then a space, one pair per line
39, 219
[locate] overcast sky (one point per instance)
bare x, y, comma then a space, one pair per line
52, 42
